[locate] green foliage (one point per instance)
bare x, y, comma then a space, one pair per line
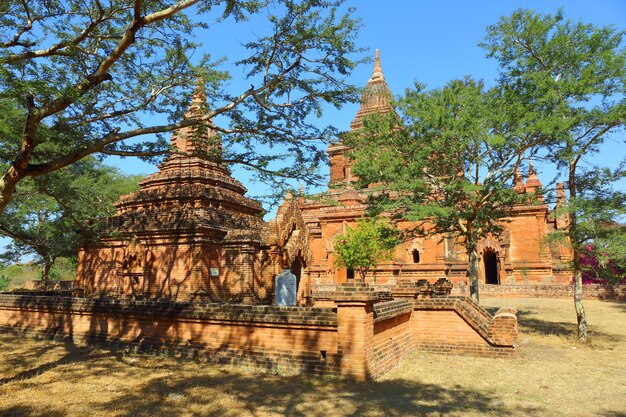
568, 78
90, 76
4, 283
50, 215
364, 246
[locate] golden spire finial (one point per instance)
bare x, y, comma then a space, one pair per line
378, 69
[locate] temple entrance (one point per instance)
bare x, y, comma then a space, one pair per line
491, 267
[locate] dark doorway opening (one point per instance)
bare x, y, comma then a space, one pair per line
416, 256
491, 267
297, 266
350, 273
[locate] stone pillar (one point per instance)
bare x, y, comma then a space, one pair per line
355, 328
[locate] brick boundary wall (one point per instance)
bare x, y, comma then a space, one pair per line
590, 291
363, 337
393, 335
462, 327
293, 338
51, 285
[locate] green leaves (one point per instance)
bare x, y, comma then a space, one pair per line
364, 246
103, 74
51, 215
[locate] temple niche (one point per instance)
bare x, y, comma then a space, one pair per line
188, 233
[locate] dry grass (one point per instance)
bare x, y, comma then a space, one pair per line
552, 376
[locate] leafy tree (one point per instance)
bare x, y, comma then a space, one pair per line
445, 162
602, 238
364, 246
50, 215
570, 78
91, 74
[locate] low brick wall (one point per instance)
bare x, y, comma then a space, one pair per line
272, 337
364, 336
590, 292
51, 285
457, 325
392, 340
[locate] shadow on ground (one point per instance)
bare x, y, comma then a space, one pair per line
166, 388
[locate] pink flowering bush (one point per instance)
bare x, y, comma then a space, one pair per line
597, 270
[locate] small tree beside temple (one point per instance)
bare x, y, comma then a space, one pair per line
364, 246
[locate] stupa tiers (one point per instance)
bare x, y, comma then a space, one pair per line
188, 232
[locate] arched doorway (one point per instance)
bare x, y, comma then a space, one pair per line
490, 263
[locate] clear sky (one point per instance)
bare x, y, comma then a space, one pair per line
431, 42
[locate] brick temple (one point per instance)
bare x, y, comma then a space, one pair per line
191, 233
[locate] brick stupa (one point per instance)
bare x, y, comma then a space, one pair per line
188, 232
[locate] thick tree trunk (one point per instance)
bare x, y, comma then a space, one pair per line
45, 272
472, 272
8, 182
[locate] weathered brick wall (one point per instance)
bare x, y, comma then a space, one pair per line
393, 335
363, 337
590, 292
456, 325
269, 336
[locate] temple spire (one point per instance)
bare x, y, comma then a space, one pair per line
198, 100
197, 138
532, 182
377, 74
376, 97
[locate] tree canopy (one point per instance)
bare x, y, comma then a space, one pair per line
99, 76
362, 247
569, 79
446, 163
50, 216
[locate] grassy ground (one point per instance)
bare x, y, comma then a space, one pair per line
552, 376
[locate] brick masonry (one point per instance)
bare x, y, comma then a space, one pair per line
361, 338
590, 292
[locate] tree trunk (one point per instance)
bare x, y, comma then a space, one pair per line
578, 276
578, 305
8, 182
472, 272
45, 272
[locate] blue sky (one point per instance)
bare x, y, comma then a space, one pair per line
427, 41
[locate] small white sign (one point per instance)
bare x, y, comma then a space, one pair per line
214, 272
